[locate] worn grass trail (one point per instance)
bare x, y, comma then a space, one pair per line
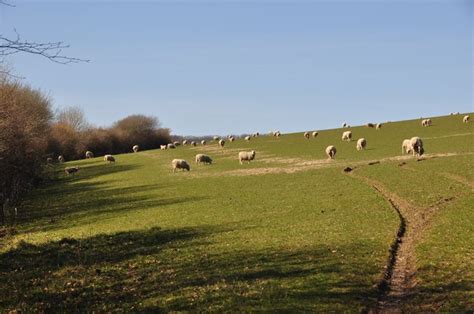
290, 231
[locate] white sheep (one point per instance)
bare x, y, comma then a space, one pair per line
306, 135
193, 143
135, 148
277, 134
466, 119
416, 146
109, 158
49, 160
406, 146
171, 146
185, 142
378, 126
247, 138
89, 154
347, 136
203, 142
231, 138
201, 158
71, 170
256, 134
163, 147
426, 122
221, 143
315, 134
180, 164
344, 125
61, 158
216, 138
248, 156
176, 143
331, 151
361, 144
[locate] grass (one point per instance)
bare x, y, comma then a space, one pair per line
290, 231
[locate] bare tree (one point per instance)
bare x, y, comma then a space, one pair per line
73, 117
52, 51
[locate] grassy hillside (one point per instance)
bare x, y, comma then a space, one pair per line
290, 230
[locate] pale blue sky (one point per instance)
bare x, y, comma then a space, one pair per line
209, 67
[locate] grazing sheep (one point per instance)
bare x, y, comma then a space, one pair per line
61, 158
221, 143
256, 134
163, 147
216, 138
203, 142
185, 142
277, 134
247, 138
180, 164
248, 156
426, 122
135, 148
306, 135
176, 143
370, 125
315, 134
416, 145
466, 119
89, 154
204, 159
231, 138
49, 160
347, 136
193, 143
171, 146
344, 125
361, 144
406, 146
378, 126
71, 170
109, 158
331, 151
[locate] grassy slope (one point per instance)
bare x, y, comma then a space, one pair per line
135, 235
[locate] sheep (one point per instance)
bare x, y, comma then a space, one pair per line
277, 134
370, 125
71, 170
248, 156
193, 143
163, 147
203, 142
89, 154
306, 135
221, 143
176, 143
216, 138
49, 160
378, 126
231, 138
426, 122
109, 158
256, 134
171, 146
201, 158
185, 142
247, 138
135, 148
180, 164
347, 136
416, 146
466, 119
361, 144
344, 125
61, 158
331, 151
406, 146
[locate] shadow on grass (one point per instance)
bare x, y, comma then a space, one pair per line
180, 270
75, 200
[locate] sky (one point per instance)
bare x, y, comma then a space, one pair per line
222, 67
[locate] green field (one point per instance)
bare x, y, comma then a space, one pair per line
289, 231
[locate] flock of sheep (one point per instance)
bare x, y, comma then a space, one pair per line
413, 145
